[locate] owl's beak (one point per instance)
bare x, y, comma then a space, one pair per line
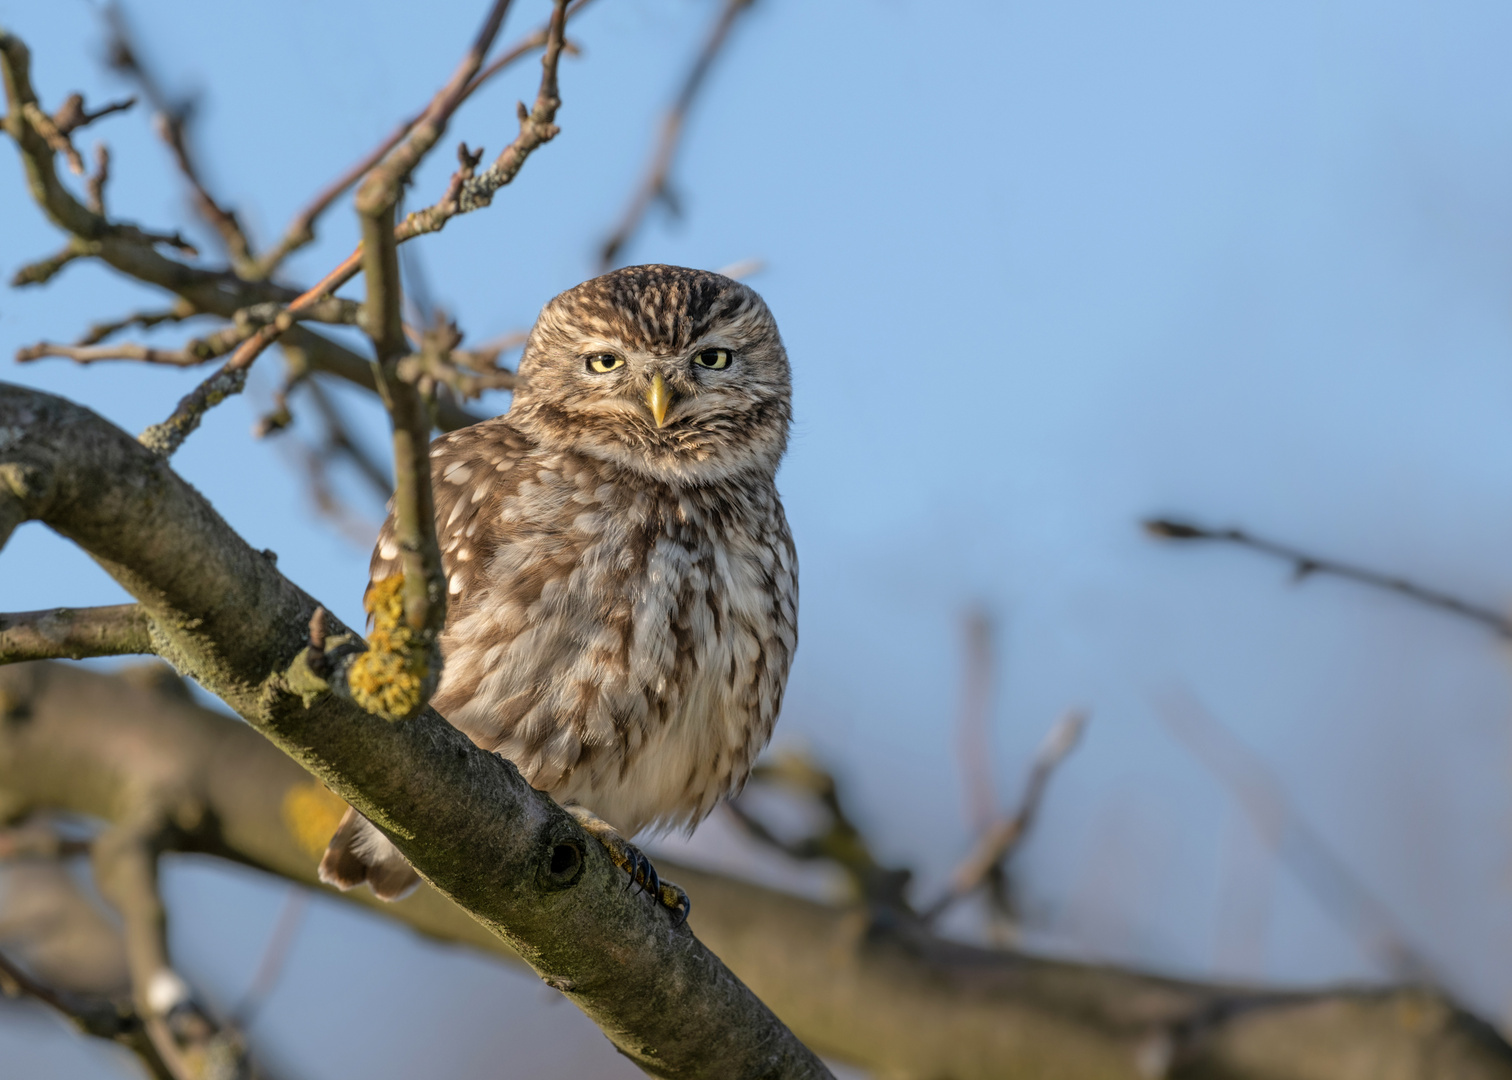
659, 399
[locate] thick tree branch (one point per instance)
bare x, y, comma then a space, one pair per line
463, 817
117, 630
888, 997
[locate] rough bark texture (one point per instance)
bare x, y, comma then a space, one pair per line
222, 614
889, 998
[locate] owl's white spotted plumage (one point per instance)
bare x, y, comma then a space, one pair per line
622, 607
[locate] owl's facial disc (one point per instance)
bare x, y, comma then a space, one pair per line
678, 374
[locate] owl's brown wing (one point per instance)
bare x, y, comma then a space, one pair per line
472, 472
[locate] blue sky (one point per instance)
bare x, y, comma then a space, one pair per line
1042, 270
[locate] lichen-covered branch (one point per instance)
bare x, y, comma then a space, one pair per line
74, 633
465, 819
889, 997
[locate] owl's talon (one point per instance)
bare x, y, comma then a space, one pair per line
676, 901
633, 862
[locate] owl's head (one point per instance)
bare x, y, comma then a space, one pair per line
679, 374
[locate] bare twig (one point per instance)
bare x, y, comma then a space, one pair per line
655, 187
98, 332
117, 630
467, 373
1305, 565
276, 955
96, 1016
44, 270
172, 122
73, 115
1001, 840
301, 230
125, 247
464, 194
196, 351
1317, 866
60, 143
467, 192
882, 888
974, 742
101, 177
339, 440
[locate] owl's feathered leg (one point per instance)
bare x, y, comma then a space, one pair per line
359, 852
633, 861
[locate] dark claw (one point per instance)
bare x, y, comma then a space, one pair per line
680, 914
643, 875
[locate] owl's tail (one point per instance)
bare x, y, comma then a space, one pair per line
359, 852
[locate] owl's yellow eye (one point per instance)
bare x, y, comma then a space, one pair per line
713, 359
605, 363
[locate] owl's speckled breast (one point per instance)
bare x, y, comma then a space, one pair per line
624, 642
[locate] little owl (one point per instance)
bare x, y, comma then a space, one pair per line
623, 589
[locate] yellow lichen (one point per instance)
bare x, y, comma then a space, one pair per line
311, 814
389, 679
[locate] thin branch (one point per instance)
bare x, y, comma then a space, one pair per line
883, 889
467, 192
276, 954
424, 580
165, 438
194, 352
75, 633
301, 230
1305, 565
98, 332
323, 355
467, 373
1317, 866
44, 270
464, 194
654, 187
380, 191
73, 114
999, 842
123, 246
58, 142
96, 184
99, 1017
974, 743
172, 123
